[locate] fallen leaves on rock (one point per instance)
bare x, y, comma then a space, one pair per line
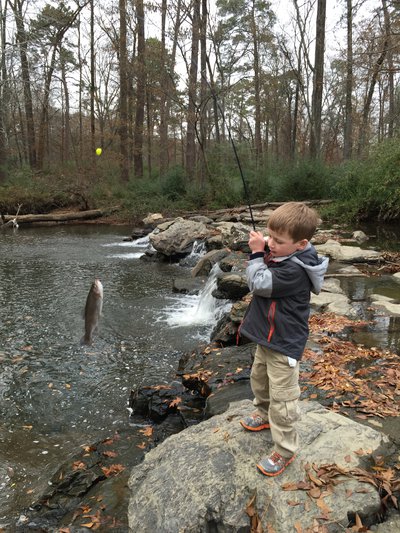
320, 481
112, 470
365, 379
251, 511
332, 323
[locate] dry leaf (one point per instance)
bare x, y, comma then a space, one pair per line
110, 454
324, 508
112, 470
175, 402
147, 431
293, 503
78, 465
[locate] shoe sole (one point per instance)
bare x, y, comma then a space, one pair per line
252, 428
273, 474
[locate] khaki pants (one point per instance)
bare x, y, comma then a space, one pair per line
276, 392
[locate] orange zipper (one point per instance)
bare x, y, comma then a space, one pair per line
271, 320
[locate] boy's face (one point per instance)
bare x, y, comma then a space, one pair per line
282, 244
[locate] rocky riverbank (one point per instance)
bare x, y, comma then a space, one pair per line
203, 478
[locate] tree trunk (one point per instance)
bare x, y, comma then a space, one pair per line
348, 125
163, 96
296, 108
22, 40
123, 94
318, 82
65, 117
3, 95
80, 110
140, 93
388, 31
368, 100
192, 94
92, 88
203, 90
43, 124
257, 98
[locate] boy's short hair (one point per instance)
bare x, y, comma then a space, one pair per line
296, 219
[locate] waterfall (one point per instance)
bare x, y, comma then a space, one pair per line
201, 309
132, 249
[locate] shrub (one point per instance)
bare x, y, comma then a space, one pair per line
173, 184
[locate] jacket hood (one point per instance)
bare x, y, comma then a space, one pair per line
313, 264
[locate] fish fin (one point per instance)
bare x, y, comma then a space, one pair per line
86, 341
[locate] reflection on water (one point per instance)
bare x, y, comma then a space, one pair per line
56, 395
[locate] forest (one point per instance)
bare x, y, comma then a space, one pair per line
182, 104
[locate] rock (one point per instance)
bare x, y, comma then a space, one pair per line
351, 271
332, 285
204, 478
391, 525
234, 262
233, 231
201, 218
215, 242
206, 372
231, 286
153, 219
391, 306
218, 402
189, 285
138, 233
348, 254
159, 401
178, 238
205, 264
334, 303
226, 329
360, 236
396, 276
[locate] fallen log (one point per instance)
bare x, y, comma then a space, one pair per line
60, 217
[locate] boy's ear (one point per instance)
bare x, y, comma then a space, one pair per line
302, 244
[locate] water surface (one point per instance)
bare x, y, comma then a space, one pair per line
55, 394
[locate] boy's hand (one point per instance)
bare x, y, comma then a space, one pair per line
256, 242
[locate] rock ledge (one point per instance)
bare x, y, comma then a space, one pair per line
203, 478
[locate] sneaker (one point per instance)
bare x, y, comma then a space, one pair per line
274, 464
254, 422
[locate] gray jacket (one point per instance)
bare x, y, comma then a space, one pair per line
277, 316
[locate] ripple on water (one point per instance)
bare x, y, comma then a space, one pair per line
55, 394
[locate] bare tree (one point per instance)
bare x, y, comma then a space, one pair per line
348, 125
318, 81
123, 94
375, 70
4, 93
17, 7
192, 93
140, 92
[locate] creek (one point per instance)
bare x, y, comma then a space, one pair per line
56, 395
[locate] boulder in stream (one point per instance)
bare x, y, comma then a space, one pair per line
205, 479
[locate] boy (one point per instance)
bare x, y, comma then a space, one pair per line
277, 320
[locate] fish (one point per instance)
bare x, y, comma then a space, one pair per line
93, 308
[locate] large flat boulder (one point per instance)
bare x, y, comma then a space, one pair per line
347, 254
177, 237
203, 478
